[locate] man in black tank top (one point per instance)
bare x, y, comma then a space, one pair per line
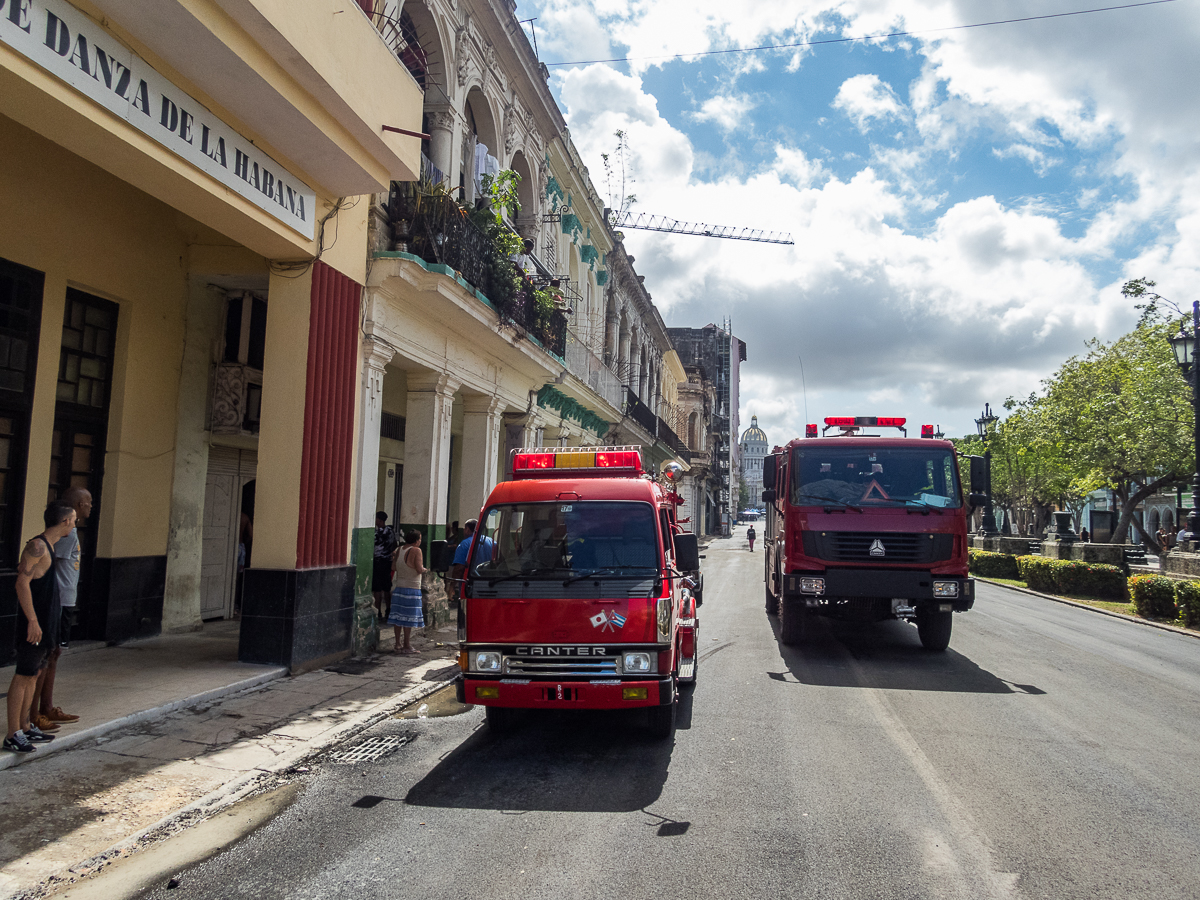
38, 614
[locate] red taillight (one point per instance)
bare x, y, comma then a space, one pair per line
927, 431
810, 430
524, 461
619, 459
890, 422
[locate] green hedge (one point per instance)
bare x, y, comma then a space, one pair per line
1069, 576
1153, 596
1187, 599
993, 565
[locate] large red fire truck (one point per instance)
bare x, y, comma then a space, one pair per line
576, 594
864, 528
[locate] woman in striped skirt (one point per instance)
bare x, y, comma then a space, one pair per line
406, 613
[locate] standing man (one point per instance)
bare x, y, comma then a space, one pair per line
43, 713
459, 567
750, 536
381, 571
37, 605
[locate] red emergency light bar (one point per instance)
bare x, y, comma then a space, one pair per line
575, 461
856, 422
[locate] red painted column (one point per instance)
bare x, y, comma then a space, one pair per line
328, 420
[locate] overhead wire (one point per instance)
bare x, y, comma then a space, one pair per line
869, 37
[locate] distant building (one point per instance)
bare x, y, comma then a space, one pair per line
754, 448
718, 354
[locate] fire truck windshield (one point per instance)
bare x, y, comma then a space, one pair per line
565, 540
874, 476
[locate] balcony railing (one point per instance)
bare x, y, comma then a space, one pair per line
588, 368
667, 435
640, 412
432, 226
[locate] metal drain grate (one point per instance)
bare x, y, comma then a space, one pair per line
371, 749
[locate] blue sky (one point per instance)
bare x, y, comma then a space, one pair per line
965, 204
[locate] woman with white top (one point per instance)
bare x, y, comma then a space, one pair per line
406, 612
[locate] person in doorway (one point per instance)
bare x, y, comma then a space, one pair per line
750, 536
43, 713
37, 606
406, 612
381, 571
458, 567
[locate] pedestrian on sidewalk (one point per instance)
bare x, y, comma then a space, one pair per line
458, 568
750, 536
43, 713
37, 605
381, 570
406, 612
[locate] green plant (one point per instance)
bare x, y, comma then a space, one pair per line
1153, 596
993, 565
1035, 572
1187, 599
1089, 579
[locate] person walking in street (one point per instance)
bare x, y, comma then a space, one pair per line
750, 536
406, 612
43, 713
37, 606
381, 570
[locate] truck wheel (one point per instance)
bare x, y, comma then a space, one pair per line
662, 721
934, 630
793, 621
772, 602
500, 719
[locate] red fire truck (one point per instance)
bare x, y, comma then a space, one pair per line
576, 594
862, 527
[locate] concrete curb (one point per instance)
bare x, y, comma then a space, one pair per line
248, 782
66, 741
1161, 626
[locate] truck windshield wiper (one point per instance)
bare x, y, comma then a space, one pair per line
492, 582
609, 570
842, 503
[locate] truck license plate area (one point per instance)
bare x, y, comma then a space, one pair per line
556, 693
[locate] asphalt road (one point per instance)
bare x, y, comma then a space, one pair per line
1050, 753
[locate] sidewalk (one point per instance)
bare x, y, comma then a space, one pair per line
176, 721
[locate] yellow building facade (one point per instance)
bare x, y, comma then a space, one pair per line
186, 189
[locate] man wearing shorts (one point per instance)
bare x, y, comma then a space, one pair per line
43, 713
37, 606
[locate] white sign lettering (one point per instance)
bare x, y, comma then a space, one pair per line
73, 47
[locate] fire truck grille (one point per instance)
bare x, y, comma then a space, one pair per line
887, 547
595, 667
552, 589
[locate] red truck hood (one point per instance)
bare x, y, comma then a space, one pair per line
557, 621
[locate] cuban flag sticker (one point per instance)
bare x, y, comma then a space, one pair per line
607, 621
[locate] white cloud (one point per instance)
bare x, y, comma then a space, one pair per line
866, 97
728, 111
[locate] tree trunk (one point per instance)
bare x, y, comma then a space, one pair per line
1129, 504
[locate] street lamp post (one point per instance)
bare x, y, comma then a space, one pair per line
1184, 345
984, 423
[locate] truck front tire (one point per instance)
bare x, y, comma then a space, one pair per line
500, 719
772, 602
794, 621
662, 720
934, 630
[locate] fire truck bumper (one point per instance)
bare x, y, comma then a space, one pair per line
903, 584
597, 694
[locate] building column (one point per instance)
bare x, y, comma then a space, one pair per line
298, 597
376, 356
441, 139
480, 452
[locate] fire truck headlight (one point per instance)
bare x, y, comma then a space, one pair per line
486, 661
635, 663
945, 589
812, 585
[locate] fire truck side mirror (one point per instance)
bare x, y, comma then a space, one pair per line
768, 496
687, 552
979, 478
769, 471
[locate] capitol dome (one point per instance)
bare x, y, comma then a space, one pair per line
754, 433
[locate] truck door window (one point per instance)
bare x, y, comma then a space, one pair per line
664, 526
560, 540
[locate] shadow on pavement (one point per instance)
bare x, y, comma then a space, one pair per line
885, 655
560, 761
